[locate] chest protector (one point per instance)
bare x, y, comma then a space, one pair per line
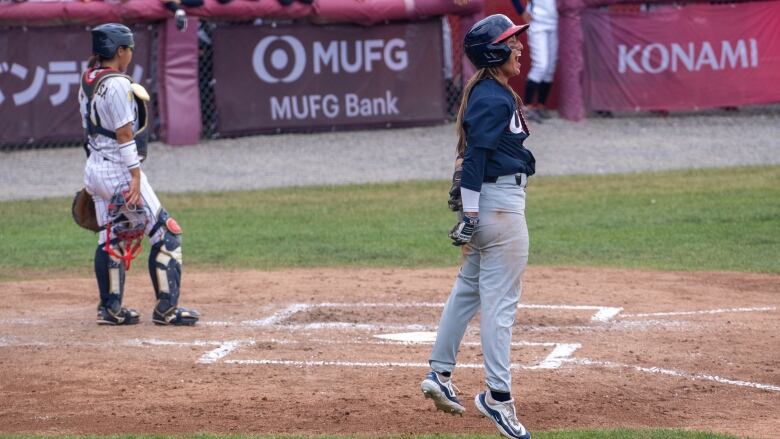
90, 83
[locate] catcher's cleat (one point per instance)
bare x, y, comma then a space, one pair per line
503, 415
442, 394
176, 317
125, 316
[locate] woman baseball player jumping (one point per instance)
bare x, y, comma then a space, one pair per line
492, 230
114, 117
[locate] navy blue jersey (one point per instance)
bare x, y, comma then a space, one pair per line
495, 132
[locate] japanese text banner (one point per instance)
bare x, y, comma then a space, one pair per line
40, 75
673, 58
299, 78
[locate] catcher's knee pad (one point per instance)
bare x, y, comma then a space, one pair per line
165, 265
110, 274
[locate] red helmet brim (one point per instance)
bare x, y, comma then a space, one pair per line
514, 30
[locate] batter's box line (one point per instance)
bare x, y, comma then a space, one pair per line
553, 361
560, 353
603, 314
365, 364
673, 373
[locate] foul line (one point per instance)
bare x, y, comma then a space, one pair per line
711, 311
675, 373
603, 314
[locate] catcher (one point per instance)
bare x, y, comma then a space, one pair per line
117, 201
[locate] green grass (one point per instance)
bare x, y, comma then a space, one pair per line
724, 219
562, 434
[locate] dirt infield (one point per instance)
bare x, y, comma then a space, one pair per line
343, 351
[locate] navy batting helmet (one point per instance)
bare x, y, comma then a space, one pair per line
485, 43
107, 38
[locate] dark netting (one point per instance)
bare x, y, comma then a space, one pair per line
453, 83
208, 106
152, 86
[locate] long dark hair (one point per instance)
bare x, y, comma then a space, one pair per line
96, 60
482, 74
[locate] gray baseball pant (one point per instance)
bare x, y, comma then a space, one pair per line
489, 281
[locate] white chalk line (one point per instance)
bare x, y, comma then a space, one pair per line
373, 327
378, 305
324, 342
135, 342
674, 373
603, 314
553, 360
359, 364
561, 353
315, 326
278, 316
5, 342
428, 338
702, 312
222, 351
553, 364
158, 342
620, 325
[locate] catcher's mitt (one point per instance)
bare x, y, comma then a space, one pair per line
83, 211
455, 203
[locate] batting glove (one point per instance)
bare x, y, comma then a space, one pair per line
462, 232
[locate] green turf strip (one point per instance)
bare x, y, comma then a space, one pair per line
722, 219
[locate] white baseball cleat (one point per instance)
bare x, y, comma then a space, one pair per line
442, 394
503, 415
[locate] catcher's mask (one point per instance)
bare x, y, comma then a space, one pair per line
125, 228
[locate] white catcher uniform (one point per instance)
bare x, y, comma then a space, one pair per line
108, 101
108, 166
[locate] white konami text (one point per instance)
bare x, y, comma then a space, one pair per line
658, 58
330, 106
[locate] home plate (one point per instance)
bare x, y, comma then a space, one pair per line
410, 337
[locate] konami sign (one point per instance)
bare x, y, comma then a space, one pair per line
686, 57
657, 58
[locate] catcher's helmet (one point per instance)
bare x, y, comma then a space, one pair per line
485, 43
107, 38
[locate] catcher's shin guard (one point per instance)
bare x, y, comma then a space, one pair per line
110, 274
165, 269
